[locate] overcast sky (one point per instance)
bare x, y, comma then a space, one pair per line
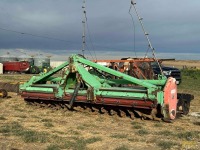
173, 25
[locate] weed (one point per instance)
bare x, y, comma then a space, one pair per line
188, 77
195, 74
137, 126
76, 143
70, 144
59, 132
53, 147
81, 127
135, 123
68, 113
46, 120
2, 118
27, 135
5, 130
196, 123
80, 143
33, 136
34, 116
189, 135
142, 132
21, 116
93, 140
179, 128
100, 119
165, 133
95, 132
119, 136
74, 132
60, 141
166, 144
18, 109
14, 128
48, 124
133, 140
8, 77
158, 125
30, 111
86, 125
123, 147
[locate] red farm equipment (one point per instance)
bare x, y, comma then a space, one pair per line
16, 67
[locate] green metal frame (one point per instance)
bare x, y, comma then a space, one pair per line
77, 71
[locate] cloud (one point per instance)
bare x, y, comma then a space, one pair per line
172, 25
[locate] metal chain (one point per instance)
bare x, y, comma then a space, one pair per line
146, 35
133, 23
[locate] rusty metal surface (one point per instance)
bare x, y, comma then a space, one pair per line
127, 60
147, 104
136, 67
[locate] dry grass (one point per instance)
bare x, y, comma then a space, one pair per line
181, 63
28, 127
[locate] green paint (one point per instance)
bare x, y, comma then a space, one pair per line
94, 81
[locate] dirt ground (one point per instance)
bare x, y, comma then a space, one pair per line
26, 127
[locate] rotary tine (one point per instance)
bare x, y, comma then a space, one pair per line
72, 100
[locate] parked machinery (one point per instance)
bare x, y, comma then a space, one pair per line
12, 65
142, 68
16, 67
10, 86
88, 84
40, 64
25, 63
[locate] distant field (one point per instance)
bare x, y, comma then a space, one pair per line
181, 63
25, 127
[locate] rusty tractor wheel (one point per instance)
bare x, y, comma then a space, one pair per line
3, 93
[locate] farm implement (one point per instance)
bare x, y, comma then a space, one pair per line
90, 85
